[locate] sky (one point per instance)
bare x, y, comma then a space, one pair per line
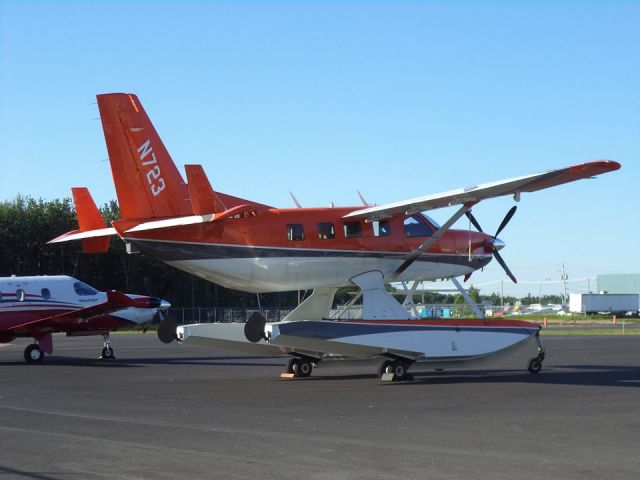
324, 98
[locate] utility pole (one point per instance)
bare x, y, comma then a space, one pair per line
564, 277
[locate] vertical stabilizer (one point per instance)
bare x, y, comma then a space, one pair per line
203, 199
148, 184
89, 219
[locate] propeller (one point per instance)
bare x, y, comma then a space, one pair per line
492, 248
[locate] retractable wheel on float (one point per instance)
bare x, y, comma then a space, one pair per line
394, 370
300, 367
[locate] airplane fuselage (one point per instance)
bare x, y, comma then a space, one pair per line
27, 299
265, 250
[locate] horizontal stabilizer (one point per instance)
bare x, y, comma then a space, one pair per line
93, 230
81, 235
192, 219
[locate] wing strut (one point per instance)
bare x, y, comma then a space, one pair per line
467, 298
413, 256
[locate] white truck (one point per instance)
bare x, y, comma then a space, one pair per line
619, 303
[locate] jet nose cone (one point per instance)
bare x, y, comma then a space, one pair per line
498, 244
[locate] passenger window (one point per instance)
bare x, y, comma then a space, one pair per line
20, 295
352, 229
413, 227
381, 228
326, 231
84, 289
46, 294
295, 232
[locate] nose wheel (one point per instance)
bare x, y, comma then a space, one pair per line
107, 350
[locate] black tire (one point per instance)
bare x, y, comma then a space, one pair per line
33, 354
107, 354
535, 365
305, 368
399, 370
290, 365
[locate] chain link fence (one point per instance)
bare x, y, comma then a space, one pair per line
189, 315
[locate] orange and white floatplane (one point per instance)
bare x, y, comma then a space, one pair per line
254, 247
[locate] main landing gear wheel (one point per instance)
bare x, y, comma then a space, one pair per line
300, 367
107, 353
33, 354
397, 368
107, 350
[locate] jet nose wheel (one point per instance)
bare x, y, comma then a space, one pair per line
33, 354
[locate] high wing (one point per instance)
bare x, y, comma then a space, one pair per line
474, 194
115, 301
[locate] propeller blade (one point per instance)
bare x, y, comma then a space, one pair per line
473, 220
502, 263
506, 219
254, 328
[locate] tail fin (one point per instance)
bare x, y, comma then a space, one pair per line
93, 231
148, 184
89, 218
203, 199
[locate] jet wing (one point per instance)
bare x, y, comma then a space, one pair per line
115, 301
477, 193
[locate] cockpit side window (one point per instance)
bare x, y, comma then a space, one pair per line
415, 227
381, 228
352, 229
84, 289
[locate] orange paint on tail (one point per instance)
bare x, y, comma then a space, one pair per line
148, 184
89, 218
203, 199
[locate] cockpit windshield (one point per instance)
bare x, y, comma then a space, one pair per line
431, 221
84, 289
417, 226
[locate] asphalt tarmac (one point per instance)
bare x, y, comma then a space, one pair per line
174, 411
